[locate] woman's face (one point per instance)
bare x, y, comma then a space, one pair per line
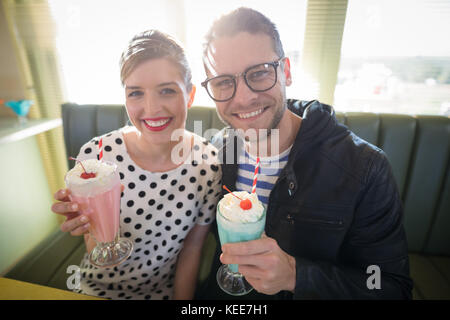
157, 100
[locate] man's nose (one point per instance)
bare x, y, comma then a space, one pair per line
243, 94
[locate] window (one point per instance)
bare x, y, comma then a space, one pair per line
288, 16
395, 57
92, 34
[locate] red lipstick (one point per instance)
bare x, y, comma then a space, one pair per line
157, 128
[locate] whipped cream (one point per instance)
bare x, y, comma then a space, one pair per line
106, 177
230, 207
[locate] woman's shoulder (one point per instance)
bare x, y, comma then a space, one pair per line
203, 151
205, 155
110, 140
201, 143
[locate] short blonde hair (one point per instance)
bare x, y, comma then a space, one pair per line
154, 44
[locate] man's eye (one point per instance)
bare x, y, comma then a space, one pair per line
136, 93
223, 83
258, 75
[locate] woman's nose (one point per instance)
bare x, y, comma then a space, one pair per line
152, 104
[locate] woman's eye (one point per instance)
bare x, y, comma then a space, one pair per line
135, 94
167, 91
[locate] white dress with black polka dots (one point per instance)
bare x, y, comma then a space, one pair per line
158, 209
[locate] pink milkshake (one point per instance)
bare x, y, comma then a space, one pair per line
103, 212
95, 186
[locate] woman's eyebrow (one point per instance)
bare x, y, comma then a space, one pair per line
132, 87
159, 85
167, 84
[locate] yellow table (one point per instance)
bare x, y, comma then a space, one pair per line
19, 290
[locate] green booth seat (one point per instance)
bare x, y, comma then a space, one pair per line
417, 148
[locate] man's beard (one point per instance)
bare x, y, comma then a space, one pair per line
266, 131
276, 119
273, 124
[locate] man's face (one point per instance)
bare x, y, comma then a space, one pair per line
248, 109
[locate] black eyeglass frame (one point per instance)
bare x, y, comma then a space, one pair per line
274, 64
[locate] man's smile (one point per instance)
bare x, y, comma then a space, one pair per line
252, 115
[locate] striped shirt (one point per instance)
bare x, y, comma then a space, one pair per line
269, 170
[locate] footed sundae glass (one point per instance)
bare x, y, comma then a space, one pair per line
97, 191
231, 231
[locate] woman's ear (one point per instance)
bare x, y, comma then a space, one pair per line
191, 96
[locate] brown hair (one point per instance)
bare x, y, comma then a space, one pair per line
154, 44
244, 20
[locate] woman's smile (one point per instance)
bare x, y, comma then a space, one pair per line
157, 124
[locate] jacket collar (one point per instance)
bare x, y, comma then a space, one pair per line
318, 123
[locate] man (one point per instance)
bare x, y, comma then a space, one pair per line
334, 215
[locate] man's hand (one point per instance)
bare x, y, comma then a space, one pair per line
263, 263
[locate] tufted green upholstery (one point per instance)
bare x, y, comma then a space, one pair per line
417, 148
83, 122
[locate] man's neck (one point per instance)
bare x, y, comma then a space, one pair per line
279, 139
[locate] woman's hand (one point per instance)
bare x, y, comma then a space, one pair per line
75, 223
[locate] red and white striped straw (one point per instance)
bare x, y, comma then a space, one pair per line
255, 175
100, 149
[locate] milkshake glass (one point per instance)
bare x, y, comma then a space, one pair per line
237, 225
98, 197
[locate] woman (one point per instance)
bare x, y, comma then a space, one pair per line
170, 178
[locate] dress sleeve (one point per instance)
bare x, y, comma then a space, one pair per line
89, 150
207, 211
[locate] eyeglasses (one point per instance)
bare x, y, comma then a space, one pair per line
258, 78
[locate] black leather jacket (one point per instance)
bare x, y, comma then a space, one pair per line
335, 207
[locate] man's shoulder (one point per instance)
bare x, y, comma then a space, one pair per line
343, 148
301, 107
355, 156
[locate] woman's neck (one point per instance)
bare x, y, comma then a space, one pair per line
150, 156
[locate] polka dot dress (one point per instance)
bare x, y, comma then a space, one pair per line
158, 209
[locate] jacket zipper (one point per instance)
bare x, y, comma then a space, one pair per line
319, 221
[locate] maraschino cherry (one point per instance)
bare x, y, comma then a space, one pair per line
85, 174
88, 175
245, 204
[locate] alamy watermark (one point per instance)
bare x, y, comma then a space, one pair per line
261, 142
74, 280
374, 280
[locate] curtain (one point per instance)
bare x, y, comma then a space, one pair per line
31, 28
325, 21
